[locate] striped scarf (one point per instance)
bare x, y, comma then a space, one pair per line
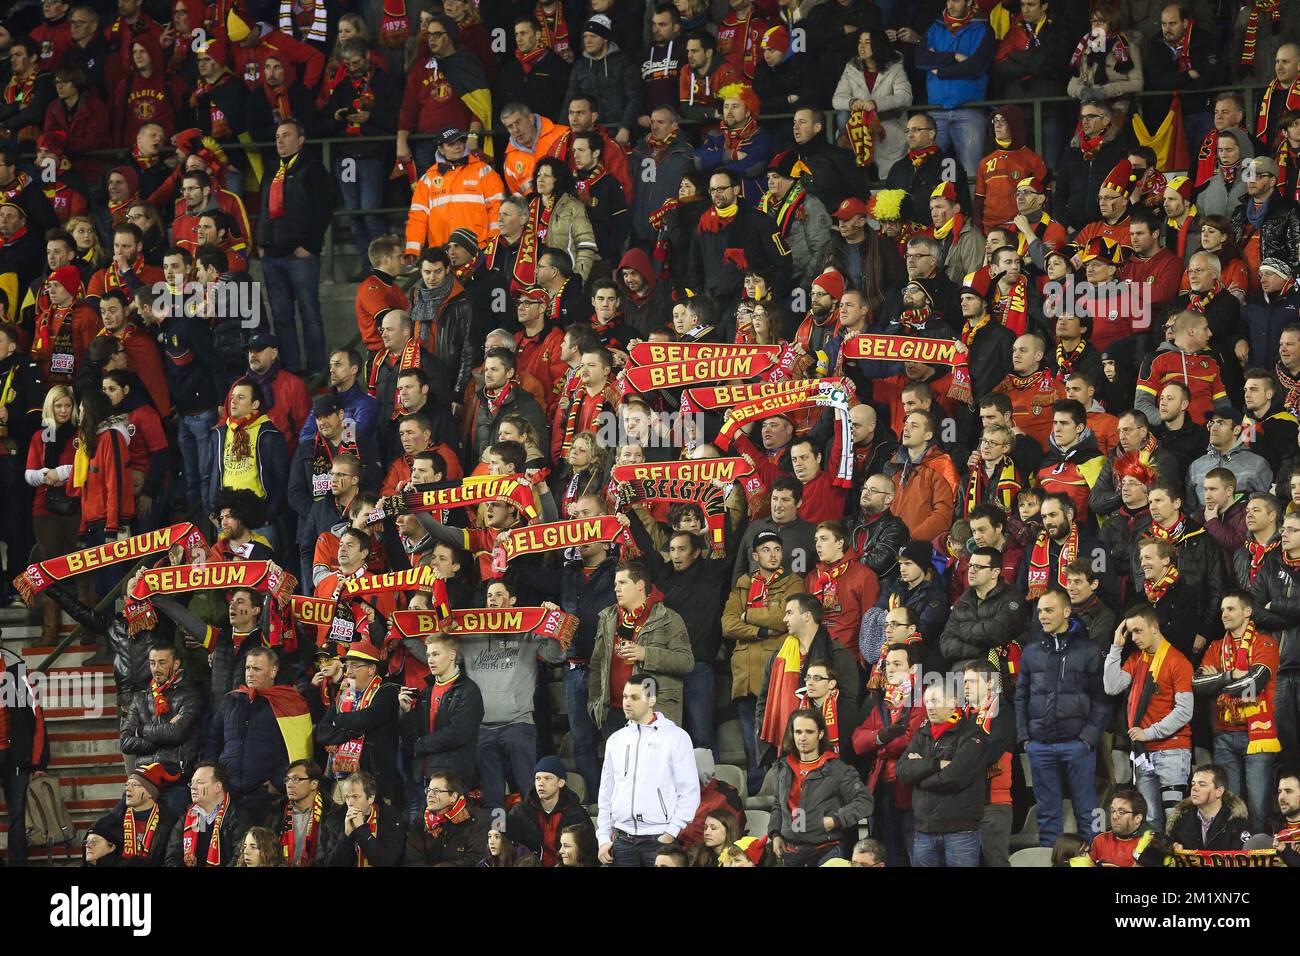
158, 693
1040, 562
310, 838
138, 845
1156, 590
372, 821
1257, 553
1000, 488
1272, 8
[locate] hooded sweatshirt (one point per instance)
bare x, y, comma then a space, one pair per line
140, 100
1072, 471
1008, 162
640, 310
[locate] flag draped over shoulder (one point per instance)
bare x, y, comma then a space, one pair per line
291, 716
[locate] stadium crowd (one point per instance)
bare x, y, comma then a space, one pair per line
659, 440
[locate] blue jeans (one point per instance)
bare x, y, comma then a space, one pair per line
964, 131
195, 438
1250, 776
1163, 787
14, 784
363, 189
635, 851
697, 706
947, 849
424, 153
582, 728
290, 281
1074, 761
512, 747
754, 774
895, 828
1287, 700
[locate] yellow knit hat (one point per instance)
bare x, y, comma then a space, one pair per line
236, 28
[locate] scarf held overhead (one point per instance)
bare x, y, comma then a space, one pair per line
497, 622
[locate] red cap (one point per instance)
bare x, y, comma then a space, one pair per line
830, 282
776, 38
152, 776
979, 283
535, 293
1032, 183
56, 141
69, 277
853, 206
945, 190
1107, 250
363, 651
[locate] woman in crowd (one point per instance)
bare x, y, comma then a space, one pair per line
100, 479
876, 82
578, 846
558, 216
721, 829
261, 847
584, 471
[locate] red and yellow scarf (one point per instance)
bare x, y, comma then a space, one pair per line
831, 715
190, 834
458, 812
760, 586
1257, 714
1257, 552
1273, 9
310, 838
555, 31
1012, 308
138, 845
952, 227
824, 578
1156, 590
1040, 562
158, 693
735, 141
1001, 487
372, 821
1174, 532
917, 157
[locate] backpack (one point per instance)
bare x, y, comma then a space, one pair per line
48, 822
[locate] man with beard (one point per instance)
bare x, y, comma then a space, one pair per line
345, 383
1176, 431
731, 239
1285, 826
486, 289
816, 333
644, 299
1061, 541
1127, 840
803, 221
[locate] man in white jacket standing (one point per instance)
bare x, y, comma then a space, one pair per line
649, 788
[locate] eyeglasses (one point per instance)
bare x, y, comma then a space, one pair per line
1092, 116
895, 624
437, 33
1118, 812
715, 190
815, 677
296, 779
980, 567
436, 791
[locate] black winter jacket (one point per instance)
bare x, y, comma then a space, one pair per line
308, 207
173, 737
1279, 234
379, 724
1277, 607
1201, 565
1104, 497
456, 844
387, 847
130, 654
755, 234
1059, 695
541, 89
452, 744
835, 173
454, 344
528, 824
1228, 830
244, 737
583, 597
948, 799
614, 81
331, 829
697, 594
233, 828
1077, 182
877, 543
975, 627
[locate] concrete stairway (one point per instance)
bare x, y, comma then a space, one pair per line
81, 720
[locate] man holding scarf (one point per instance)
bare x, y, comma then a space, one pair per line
162, 722
583, 408
360, 730
146, 824
128, 270
1158, 709
213, 826
1239, 670
250, 451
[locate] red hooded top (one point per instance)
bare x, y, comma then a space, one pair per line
1002, 168
140, 100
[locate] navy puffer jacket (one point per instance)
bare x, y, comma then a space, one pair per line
1059, 695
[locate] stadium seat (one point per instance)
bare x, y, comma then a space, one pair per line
757, 821
729, 773
731, 747
1032, 856
766, 794
1123, 768
578, 785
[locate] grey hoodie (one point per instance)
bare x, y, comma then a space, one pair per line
1253, 472
1218, 198
505, 669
